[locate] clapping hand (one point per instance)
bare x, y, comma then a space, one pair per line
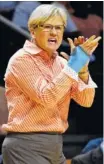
88, 45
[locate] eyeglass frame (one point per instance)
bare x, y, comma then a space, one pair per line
48, 30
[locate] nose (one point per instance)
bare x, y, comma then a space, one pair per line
53, 31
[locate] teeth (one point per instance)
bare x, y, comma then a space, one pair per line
52, 40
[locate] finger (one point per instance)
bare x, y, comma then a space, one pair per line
75, 39
94, 48
92, 44
90, 50
97, 39
89, 40
71, 44
81, 39
76, 43
65, 55
89, 47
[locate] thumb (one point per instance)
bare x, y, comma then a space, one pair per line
72, 46
2, 131
64, 55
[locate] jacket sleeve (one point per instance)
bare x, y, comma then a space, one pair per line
83, 93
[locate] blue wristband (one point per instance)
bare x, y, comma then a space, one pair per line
78, 59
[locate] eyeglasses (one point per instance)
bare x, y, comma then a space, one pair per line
49, 27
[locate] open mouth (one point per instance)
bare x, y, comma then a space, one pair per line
52, 41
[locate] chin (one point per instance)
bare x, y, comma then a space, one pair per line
53, 49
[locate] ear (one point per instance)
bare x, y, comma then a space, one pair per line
33, 34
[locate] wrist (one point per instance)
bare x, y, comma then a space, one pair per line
84, 76
78, 59
84, 69
83, 72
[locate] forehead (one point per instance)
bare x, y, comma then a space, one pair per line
55, 20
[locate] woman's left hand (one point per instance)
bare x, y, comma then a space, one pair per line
77, 41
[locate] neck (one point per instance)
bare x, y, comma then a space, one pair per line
50, 54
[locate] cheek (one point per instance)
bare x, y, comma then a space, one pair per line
60, 38
42, 35
43, 38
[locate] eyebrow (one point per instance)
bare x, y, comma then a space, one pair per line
53, 25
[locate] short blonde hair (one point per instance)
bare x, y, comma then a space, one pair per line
43, 13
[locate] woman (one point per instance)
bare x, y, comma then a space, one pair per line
39, 87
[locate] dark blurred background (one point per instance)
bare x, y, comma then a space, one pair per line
85, 18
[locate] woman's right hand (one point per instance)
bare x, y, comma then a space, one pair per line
90, 44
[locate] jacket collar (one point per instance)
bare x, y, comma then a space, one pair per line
31, 48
